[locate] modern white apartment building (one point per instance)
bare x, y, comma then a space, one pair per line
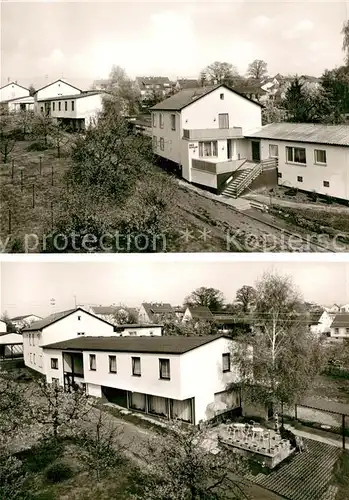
172, 377
12, 91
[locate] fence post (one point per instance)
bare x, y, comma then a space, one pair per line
343, 431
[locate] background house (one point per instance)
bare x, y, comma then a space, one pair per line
197, 313
13, 91
149, 85
320, 322
57, 327
22, 321
155, 312
340, 326
173, 377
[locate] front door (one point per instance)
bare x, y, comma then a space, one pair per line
256, 151
229, 147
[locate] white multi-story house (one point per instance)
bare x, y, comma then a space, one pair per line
76, 112
22, 321
311, 157
202, 131
58, 89
173, 377
215, 138
340, 326
13, 91
320, 322
57, 327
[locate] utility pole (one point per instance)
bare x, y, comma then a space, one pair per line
52, 174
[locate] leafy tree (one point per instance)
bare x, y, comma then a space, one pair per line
257, 69
345, 33
31, 90
24, 121
271, 113
335, 86
122, 98
58, 410
13, 408
246, 296
42, 128
221, 72
182, 467
12, 479
208, 297
303, 106
279, 361
153, 98
124, 317
8, 137
59, 137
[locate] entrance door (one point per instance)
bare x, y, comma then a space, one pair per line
256, 151
229, 149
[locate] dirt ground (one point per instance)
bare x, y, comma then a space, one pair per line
28, 194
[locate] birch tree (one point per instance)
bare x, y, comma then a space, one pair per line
279, 361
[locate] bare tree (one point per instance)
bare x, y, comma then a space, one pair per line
42, 127
185, 466
246, 296
101, 445
221, 72
58, 410
257, 69
59, 137
24, 121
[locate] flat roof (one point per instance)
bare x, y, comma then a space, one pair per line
154, 345
73, 96
316, 133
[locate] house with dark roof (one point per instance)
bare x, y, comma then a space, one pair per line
57, 327
310, 157
170, 377
340, 326
201, 132
320, 322
186, 83
25, 320
197, 313
155, 312
150, 85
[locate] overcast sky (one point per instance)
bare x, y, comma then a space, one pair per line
81, 40
29, 287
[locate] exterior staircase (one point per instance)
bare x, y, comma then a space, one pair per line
235, 187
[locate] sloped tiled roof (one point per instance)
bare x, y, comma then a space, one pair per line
49, 320
166, 345
187, 83
201, 312
19, 318
337, 135
314, 317
340, 320
156, 310
187, 96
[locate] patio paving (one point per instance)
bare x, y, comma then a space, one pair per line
307, 476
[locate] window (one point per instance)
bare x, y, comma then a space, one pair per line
72, 105
30, 338
42, 109
320, 156
54, 363
226, 362
173, 122
221, 96
136, 367
162, 144
279, 175
59, 105
299, 178
326, 184
40, 361
155, 142
208, 148
93, 362
296, 155
53, 106
79, 318
161, 120
81, 333
336, 331
65, 105
154, 119
164, 368
223, 120
30, 357
273, 151
112, 364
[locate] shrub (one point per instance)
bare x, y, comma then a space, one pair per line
37, 458
37, 146
58, 472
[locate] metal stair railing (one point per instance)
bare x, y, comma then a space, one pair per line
246, 181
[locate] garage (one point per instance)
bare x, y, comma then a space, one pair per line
116, 396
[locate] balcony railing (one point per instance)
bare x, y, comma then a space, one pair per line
219, 167
202, 134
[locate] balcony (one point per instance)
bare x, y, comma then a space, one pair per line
217, 167
203, 134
